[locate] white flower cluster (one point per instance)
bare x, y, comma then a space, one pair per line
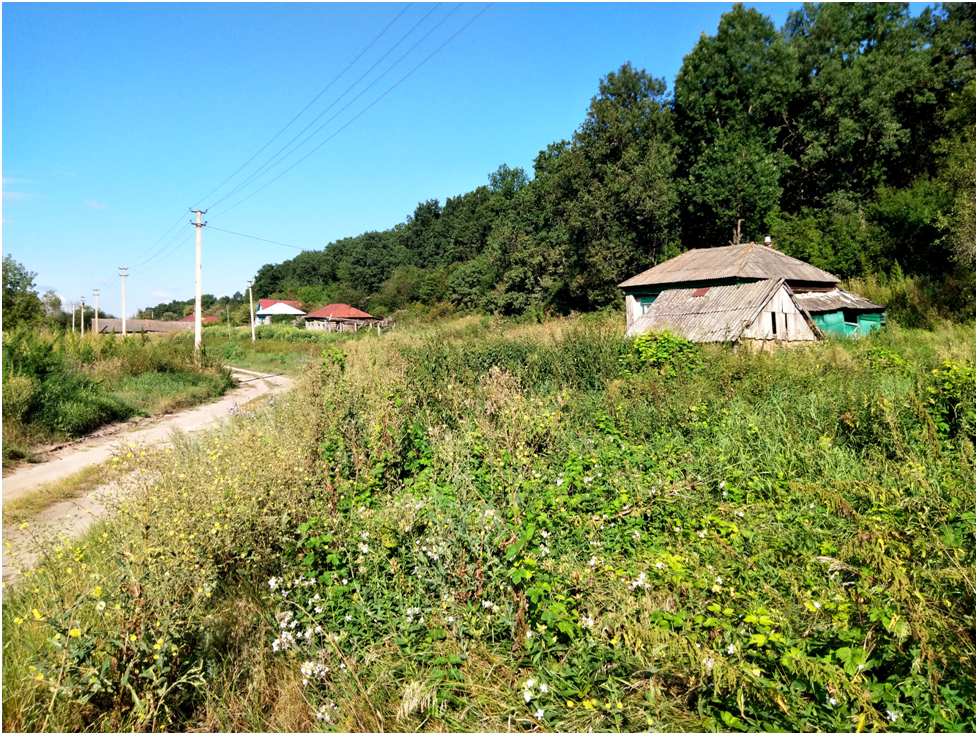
410, 614
528, 690
640, 582
323, 712
587, 622
489, 605
313, 670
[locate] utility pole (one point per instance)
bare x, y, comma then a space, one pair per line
72, 318
251, 312
123, 300
199, 225
96, 310
227, 310
83, 317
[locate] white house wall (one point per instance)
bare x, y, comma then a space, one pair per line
791, 323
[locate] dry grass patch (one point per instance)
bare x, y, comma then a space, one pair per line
74, 486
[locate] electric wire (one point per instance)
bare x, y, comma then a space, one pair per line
252, 237
324, 90
349, 122
145, 254
271, 162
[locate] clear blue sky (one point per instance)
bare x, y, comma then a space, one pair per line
118, 118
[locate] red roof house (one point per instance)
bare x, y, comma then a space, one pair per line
339, 318
265, 303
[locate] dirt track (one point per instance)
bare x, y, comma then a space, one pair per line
74, 517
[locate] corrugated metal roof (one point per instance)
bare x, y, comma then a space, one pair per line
339, 311
720, 315
734, 261
265, 303
142, 325
837, 298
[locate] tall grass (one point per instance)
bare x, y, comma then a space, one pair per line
59, 385
481, 528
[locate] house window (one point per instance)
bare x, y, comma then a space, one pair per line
646, 301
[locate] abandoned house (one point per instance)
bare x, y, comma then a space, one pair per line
339, 318
744, 293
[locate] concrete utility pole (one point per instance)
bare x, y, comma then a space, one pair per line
96, 310
251, 312
72, 318
198, 224
123, 300
83, 317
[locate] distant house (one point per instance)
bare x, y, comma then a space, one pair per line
339, 318
135, 326
267, 308
203, 319
744, 293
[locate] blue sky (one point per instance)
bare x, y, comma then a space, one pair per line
118, 118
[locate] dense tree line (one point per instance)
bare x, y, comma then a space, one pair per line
848, 136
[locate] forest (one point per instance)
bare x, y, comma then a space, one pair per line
848, 136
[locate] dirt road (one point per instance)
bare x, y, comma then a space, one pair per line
72, 518
78, 455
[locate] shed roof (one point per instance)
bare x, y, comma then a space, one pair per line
265, 303
339, 311
134, 326
821, 301
720, 315
733, 261
203, 319
280, 307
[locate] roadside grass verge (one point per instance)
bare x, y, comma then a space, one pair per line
58, 386
545, 527
74, 486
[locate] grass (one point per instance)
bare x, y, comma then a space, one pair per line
491, 526
58, 386
74, 486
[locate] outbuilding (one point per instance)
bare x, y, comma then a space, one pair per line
267, 308
744, 293
339, 318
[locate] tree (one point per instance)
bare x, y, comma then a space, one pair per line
21, 304
732, 95
52, 304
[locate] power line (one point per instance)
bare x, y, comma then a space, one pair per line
252, 237
354, 118
271, 163
335, 79
143, 256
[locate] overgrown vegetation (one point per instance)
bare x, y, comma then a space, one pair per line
58, 385
491, 526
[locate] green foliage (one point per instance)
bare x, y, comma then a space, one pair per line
21, 304
490, 523
661, 351
60, 385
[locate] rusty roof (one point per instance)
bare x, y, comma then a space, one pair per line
339, 311
734, 261
142, 325
720, 315
837, 298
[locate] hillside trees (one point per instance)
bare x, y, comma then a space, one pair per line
848, 135
21, 304
731, 99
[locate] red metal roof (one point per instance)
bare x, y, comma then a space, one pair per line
203, 319
339, 311
265, 303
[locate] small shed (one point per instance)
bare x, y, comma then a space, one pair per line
704, 293
339, 318
276, 307
746, 312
